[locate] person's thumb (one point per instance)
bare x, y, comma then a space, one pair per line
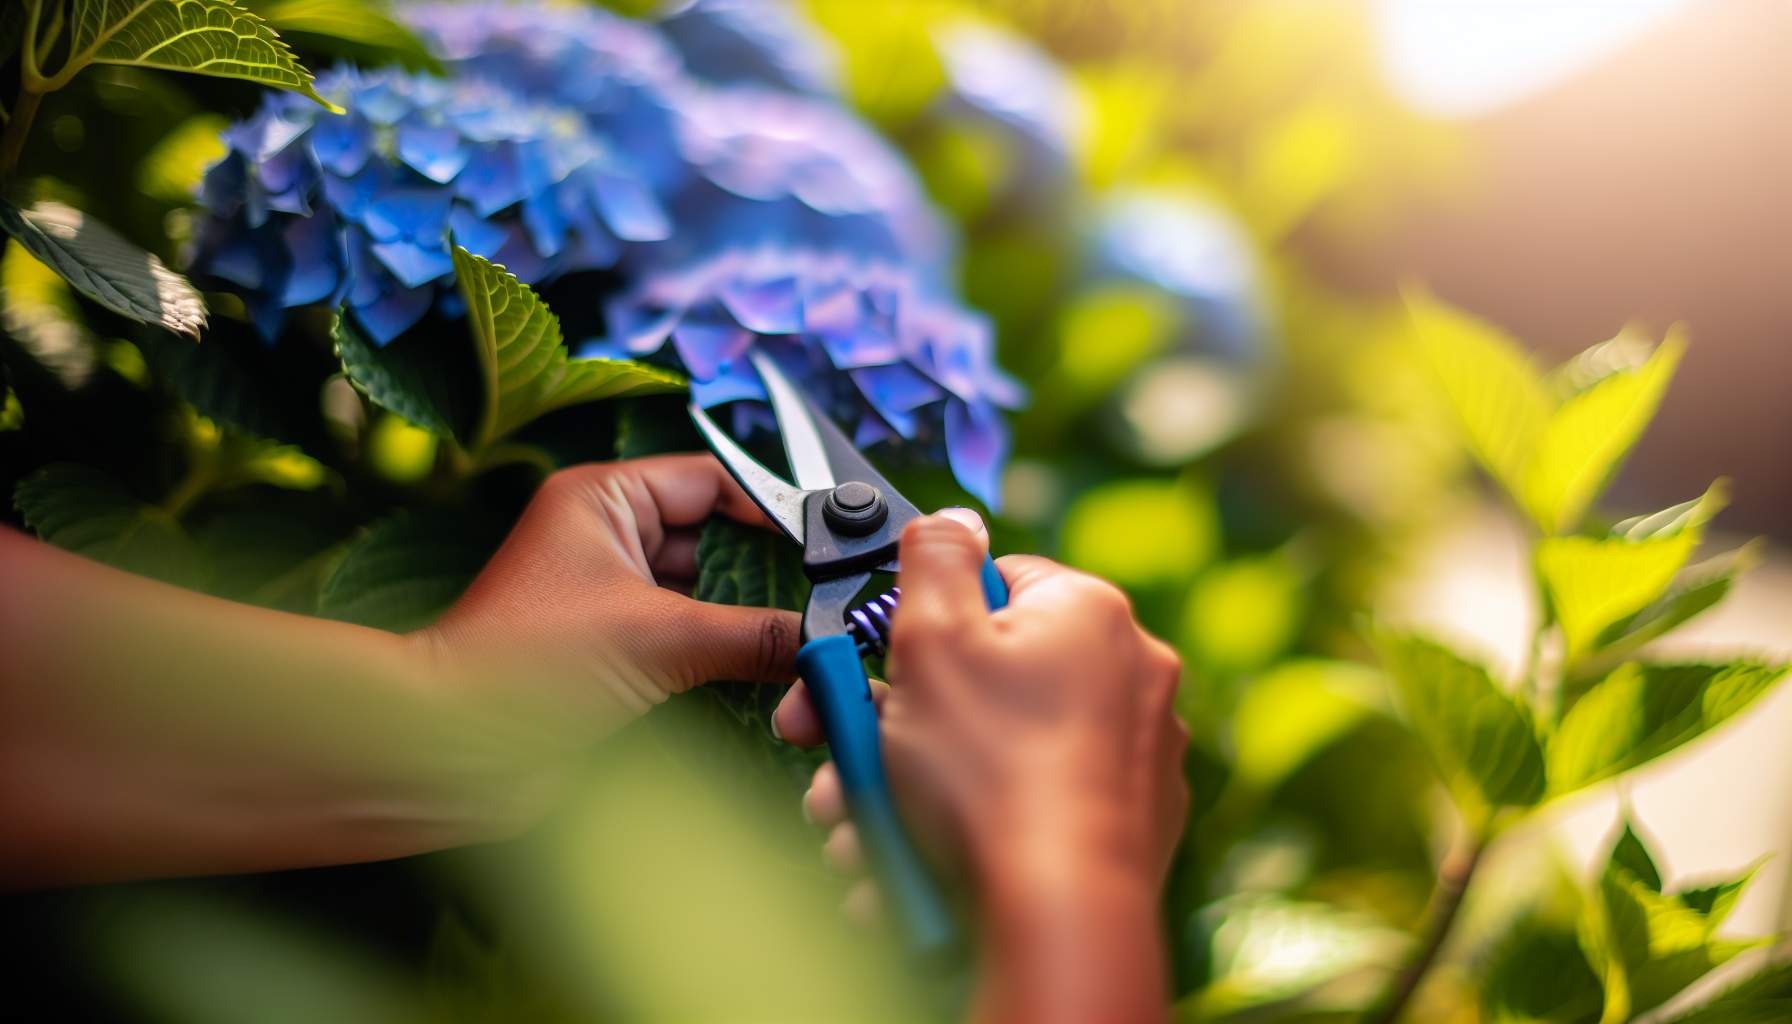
942, 562
689, 643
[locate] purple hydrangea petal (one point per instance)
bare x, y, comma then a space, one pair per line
518, 256
736, 383
764, 307
872, 430
707, 349
317, 261
976, 448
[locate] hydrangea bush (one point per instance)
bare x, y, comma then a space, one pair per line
658, 197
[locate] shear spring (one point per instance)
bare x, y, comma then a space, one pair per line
869, 623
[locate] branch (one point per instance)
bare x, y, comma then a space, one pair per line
1453, 879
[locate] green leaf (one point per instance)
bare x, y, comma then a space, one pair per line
1640, 712
88, 512
104, 267
205, 37
360, 23
12, 414
1696, 589
1481, 737
172, 170
1593, 584
655, 425
404, 571
1587, 438
1716, 900
1646, 946
1102, 531
1686, 517
524, 364
1764, 996
1490, 384
409, 377
1292, 712
1537, 972
1630, 854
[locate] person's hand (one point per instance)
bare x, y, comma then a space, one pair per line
1036, 751
581, 620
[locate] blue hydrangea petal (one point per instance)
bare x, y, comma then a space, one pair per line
367, 279
265, 135
394, 312
435, 151
477, 235
864, 346
630, 208
976, 448
414, 263
407, 213
383, 101
341, 144
736, 382
765, 42
518, 256
546, 223
640, 330
896, 391
872, 430
492, 179
317, 261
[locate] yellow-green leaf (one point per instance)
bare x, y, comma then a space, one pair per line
360, 23
12, 414
1688, 515
1291, 713
1488, 382
205, 37
1595, 582
1641, 712
39, 312
524, 365
1103, 531
1481, 736
1586, 439
172, 170
1645, 945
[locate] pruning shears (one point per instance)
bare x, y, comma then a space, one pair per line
848, 519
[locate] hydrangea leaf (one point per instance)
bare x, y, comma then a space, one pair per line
1294, 711
1481, 736
356, 22
524, 365
397, 377
1645, 945
404, 571
172, 171
1630, 854
1537, 972
1586, 439
1593, 583
1674, 520
1488, 382
205, 37
1640, 712
1266, 948
1102, 531
100, 264
1767, 995
86, 511
12, 414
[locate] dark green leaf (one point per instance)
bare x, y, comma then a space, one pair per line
1647, 947
404, 571
1641, 712
205, 37
1480, 736
1537, 972
411, 377
1630, 854
1764, 996
104, 267
655, 425
85, 511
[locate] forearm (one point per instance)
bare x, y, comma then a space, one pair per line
1068, 939
147, 730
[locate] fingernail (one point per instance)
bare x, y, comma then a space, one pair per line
804, 806
965, 517
776, 731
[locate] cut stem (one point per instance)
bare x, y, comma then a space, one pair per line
1453, 878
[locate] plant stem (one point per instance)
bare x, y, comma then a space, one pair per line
1453, 878
12, 143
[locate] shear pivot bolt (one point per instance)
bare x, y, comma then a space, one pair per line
855, 509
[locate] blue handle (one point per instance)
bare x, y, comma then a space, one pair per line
831, 669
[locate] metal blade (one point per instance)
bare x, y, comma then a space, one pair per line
808, 459
781, 502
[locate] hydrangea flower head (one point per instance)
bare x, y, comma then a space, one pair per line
1000, 83
888, 359
763, 42
781, 168
622, 75
310, 207
1192, 251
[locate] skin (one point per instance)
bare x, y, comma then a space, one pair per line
149, 731
1038, 750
